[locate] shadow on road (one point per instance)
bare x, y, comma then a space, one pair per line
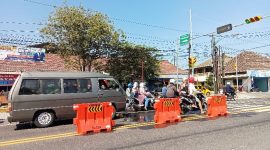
29, 125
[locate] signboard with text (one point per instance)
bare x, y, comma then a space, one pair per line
17, 53
224, 28
184, 39
7, 79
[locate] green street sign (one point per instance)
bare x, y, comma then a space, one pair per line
184, 39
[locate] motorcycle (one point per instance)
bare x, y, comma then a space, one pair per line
230, 96
189, 103
132, 103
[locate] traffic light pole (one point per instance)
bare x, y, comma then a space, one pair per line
190, 42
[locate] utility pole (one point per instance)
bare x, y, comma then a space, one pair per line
177, 63
142, 71
236, 73
223, 67
215, 64
174, 60
190, 40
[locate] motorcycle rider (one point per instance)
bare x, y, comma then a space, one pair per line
171, 90
192, 92
142, 97
229, 89
128, 90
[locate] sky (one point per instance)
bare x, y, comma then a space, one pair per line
155, 23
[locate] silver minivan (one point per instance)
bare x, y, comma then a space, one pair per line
43, 97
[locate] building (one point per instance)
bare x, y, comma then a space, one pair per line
9, 70
205, 69
167, 71
253, 72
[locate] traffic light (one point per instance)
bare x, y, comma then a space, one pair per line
194, 60
191, 61
254, 19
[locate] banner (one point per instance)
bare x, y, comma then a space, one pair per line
16, 53
7, 79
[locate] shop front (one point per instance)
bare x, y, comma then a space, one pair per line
7, 79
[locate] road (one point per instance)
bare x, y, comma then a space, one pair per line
248, 127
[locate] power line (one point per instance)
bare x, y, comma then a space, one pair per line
116, 19
22, 23
40, 3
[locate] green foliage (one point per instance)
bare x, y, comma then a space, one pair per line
210, 83
126, 64
74, 31
82, 37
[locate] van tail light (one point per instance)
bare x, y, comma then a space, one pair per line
9, 107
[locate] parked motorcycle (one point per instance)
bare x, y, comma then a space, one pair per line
189, 103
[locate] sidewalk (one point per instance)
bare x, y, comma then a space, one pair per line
252, 95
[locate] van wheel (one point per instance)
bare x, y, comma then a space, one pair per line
44, 119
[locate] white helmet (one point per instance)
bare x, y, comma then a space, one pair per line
172, 81
142, 85
228, 83
135, 85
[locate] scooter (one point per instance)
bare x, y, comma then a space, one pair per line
132, 103
189, 103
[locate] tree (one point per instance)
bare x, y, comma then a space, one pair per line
85, 35
209, 82
127, 62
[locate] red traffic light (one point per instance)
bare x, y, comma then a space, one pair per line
252, 19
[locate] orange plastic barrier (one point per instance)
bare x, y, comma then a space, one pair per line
217, 106
93, 117
167, 110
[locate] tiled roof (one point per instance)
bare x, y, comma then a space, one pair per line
167, 68
208, 62
53, 62
247, 61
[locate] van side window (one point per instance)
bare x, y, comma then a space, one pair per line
70, 86
50, 86
29, 87
107, 84
85, 85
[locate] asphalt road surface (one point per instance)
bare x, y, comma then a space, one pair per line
246, 128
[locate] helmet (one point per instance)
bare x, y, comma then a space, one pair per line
191, 80
228, 83
172, 81
142, 85
130, 85
135, 85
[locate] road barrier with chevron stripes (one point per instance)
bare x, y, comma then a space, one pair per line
217, 106
93, 117
167, 110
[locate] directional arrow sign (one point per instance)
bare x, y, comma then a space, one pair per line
225, 28
184, 39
